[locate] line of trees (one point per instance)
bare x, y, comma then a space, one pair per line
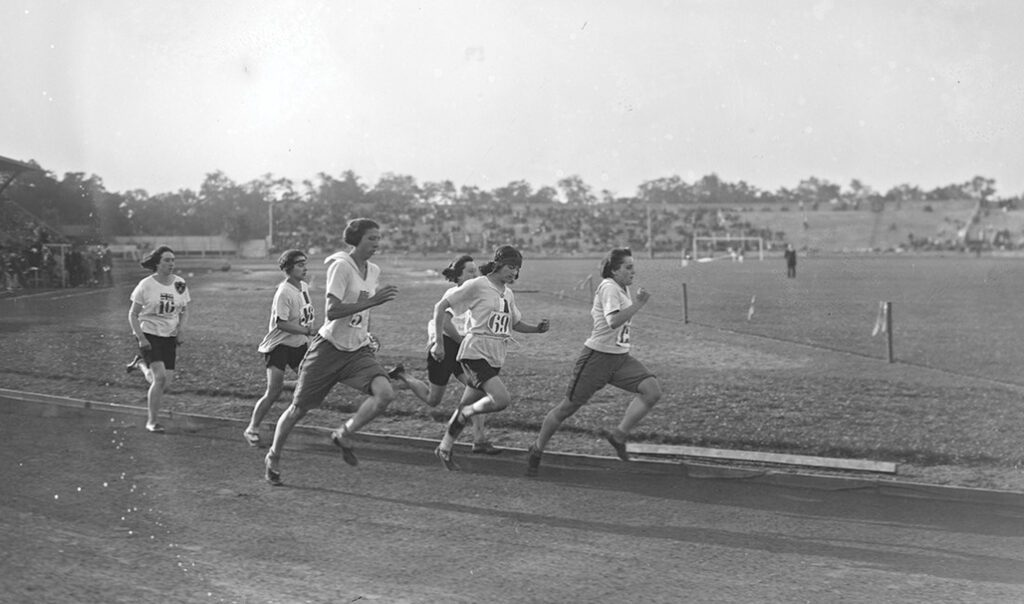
222, 206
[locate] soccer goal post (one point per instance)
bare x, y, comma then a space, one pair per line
724, 246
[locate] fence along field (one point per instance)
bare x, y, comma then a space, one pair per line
958, 314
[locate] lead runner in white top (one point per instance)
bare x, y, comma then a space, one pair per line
606, 360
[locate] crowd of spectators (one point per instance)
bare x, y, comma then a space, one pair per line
34, 261
549, 228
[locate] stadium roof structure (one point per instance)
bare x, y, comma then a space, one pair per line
9, 170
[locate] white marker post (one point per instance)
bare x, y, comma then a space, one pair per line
888, 330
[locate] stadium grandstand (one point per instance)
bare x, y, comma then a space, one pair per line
32, 254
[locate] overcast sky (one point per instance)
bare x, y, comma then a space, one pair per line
155, 94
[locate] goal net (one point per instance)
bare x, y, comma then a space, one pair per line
724, 247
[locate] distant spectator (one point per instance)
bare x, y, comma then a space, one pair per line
106, 266
6, 277
76, 267
790, 256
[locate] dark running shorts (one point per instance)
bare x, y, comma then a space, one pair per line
324, 366
162, 350
440, 373
478, 371
594, 370
283, 356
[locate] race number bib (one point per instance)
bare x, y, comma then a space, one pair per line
500, 321
499, 324
623, 339
166, 305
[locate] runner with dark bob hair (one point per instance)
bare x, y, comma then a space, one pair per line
157, 318
292, 323
493, 316
605, 359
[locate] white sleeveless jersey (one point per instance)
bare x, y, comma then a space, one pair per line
161, 304
609, 298
345, 282
290, 303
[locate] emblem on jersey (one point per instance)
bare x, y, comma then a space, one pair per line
356, 320
179, 286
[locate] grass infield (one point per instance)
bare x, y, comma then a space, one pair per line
801, 375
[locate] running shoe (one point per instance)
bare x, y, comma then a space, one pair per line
397, 372
272, 473
620, 447
347, 453
532, 461
155, 428
485, 448
447, 458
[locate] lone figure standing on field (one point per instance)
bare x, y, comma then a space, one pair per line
342, 351
605, 359
790, 256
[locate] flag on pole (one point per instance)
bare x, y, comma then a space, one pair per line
750, 313
879, 321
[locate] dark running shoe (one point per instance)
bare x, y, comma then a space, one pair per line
347, 453
620, 447
397, 373
447, 458
485, 448
130, 367
532, 461
272, 474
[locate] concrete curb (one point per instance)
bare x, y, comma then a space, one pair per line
687, 468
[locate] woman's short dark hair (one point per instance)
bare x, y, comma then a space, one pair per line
289, 258
356, 228
153, 258
505, 254
454, 270
613, 261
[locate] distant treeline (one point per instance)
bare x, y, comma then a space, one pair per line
431, 216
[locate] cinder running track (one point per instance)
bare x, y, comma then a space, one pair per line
95, 509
